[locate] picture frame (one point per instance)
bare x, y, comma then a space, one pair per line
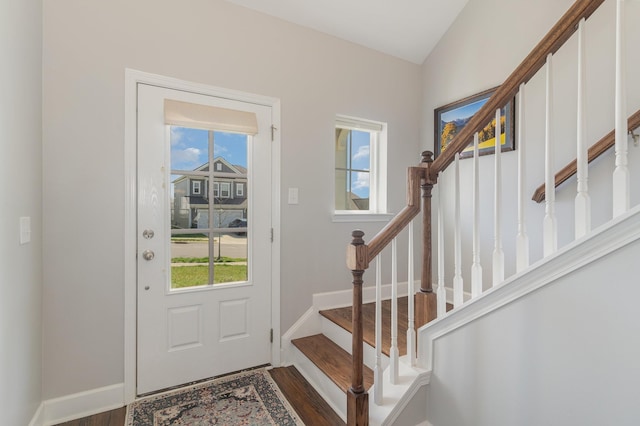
450, 118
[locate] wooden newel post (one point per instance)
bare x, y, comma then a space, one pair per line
357, 397
425, 300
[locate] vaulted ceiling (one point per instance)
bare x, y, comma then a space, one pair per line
407, 29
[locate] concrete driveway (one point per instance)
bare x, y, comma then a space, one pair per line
230, 246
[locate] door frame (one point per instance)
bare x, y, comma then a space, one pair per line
132, 79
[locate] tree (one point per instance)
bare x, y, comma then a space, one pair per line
448, 133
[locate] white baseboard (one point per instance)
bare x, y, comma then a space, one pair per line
342, 298
82, 404
38, 417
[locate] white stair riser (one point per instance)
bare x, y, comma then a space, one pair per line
342, 338
328, 390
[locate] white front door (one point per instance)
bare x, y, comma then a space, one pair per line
204, 291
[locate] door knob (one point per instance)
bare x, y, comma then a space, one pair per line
148, 255
148, 234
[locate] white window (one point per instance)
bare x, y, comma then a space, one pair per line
225, 190
239, 189
195, 187
360, 170
218, 167
216, 189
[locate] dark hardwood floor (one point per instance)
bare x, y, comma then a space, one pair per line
109, 418
311, 408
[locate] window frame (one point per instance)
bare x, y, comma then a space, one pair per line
228, 185
378, 210
194, 186
239, 189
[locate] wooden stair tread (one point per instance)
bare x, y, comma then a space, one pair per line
342, 317
311, 408
332, 360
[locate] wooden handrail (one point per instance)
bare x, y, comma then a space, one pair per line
421, 180
596, 150
402, 219
554, 39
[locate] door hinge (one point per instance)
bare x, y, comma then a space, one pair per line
273, 130
271, 234
271, 336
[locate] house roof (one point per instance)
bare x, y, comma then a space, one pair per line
234, 168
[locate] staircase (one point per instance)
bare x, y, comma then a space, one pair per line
330, 350
497, 319
323, 356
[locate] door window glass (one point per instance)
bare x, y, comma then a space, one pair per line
209, 228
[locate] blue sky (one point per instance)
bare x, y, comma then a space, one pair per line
190, 148
360, 160
463, 112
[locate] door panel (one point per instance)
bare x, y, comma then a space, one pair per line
204, 287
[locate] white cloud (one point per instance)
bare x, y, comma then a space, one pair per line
361, 182
363, 152
176, 136
188, 156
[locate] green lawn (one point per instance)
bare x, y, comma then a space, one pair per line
223, 259
189, 276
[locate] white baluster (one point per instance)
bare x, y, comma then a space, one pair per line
550, 226
476, 268
458, 295
441, 297
583, 201
411, 329
377, 369
393, 350
621, 172
522, 240
498, 253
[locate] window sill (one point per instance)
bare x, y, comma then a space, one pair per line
362, 217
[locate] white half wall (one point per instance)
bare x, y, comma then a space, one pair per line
21, 189
87, 46
564, 354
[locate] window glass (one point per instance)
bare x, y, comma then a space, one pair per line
208, 234
360, 166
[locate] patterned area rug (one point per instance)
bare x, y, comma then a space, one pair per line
248, 398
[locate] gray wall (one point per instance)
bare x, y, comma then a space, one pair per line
87, 47
466, 62
21, 189
566, 354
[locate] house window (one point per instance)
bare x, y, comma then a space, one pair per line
216, 189
195, 187
218, 167
225, 190
239, 189
360, 169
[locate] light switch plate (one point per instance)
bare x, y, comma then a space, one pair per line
293, 195
25, 230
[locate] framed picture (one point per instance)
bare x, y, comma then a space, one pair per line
451, 118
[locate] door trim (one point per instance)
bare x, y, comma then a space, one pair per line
132, 79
